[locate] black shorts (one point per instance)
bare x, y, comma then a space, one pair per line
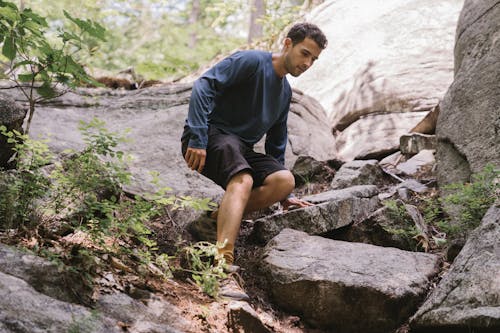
227, 155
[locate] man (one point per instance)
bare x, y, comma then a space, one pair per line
233, 105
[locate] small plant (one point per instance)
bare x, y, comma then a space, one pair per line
404, 226
473, 199
21, 188
87, 184
206, 266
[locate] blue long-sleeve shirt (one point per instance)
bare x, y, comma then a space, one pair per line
244, 96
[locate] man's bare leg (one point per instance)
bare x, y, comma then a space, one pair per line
230, 212
239, 198
276, 187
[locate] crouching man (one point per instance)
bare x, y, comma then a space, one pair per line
233, 105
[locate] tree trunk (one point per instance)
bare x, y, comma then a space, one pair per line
193, 19
257, 12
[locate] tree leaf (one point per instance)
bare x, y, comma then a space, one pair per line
94, 29
46, 90
26, 77
39, 20
9, 48
9, 14
22, 63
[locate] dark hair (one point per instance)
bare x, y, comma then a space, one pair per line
302, 30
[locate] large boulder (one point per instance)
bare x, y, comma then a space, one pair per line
155, 117
382, 57
37, 295
11, 116
44, 276
468, 128
25, 310
346, 287
374, 135
467, 299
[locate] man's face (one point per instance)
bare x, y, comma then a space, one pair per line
300, 57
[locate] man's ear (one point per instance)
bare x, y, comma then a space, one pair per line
287, 43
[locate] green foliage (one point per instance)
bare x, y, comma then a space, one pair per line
165, 39
404, 223
279, 14
473, 198
471, 201
85, 192
37, 64
87, 184
20, 189
206, 266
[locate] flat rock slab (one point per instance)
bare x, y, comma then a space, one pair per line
346, 287
425, 158
25, 310
342, 208
358, 172
38, 296
44, 276
468, 297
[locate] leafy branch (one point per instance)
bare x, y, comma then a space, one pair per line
35, 65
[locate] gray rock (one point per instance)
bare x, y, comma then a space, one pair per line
381, 228
424, 158
157, 315
25, 310
383, 58
391, 160
467, 298
307, 169
11, 116
375, 136
308, 130
39, 296
360, 191
410, 184
46, 277
343, 208
392, 59
366, 172
243, 319
346, 287
468, 127
413, 143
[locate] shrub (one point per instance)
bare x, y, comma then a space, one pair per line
473, 200
405, 226
23, 187
205, 264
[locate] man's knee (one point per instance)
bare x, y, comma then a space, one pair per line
242, 180
283, 180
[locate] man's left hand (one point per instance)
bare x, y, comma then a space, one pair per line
293, 203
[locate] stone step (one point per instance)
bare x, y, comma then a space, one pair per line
334, 209
346, 287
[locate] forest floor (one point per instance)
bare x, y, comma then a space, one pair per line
203, 312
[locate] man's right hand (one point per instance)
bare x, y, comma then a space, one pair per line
195, 158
